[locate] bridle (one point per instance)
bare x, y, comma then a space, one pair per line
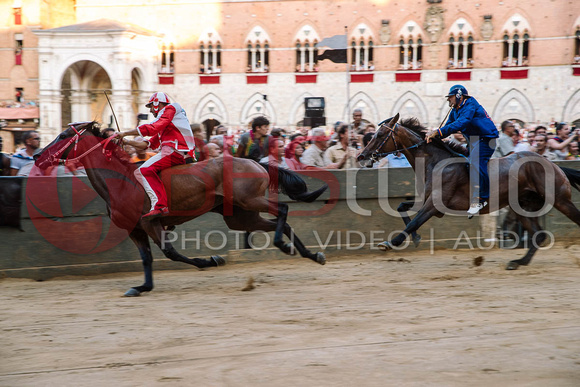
376, 155
54, 158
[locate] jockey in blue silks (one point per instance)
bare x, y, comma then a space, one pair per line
470, 118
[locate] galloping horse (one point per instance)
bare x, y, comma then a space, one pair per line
534, 179
193, 189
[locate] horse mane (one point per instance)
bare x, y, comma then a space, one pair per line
415, 126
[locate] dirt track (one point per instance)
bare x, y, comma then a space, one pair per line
364, 321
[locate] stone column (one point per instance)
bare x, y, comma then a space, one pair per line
311, 58
455, 53
80, 106
366, 57
520, 51
302, 57
253, 50
405, 56
510, 51
414, 47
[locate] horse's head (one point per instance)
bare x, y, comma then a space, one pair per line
380, 142
60, 148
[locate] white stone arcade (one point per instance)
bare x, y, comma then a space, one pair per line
79, 62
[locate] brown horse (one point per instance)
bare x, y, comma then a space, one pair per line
525, 180
233, 187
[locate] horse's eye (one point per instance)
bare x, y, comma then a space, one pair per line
61, 136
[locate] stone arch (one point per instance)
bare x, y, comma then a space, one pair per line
571, 111
513, 104
516, 23
82, 85
297, 108
210, 107
73, 59
361, 100
411, 105
307, 33
256, 106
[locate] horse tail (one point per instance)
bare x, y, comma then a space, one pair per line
285, 181
572, 175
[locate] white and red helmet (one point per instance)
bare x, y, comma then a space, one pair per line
155, 99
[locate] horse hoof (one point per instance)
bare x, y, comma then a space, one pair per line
132, 293
288, 248
417, 240
320, 258
512, 265
219, 260
385, 246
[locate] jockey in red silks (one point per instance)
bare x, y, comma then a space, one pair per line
171, 133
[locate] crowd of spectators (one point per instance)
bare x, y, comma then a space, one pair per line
310, 148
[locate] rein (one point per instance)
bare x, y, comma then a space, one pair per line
56, 156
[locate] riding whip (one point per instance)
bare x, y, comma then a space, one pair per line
112, 111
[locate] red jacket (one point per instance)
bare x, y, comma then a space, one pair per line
170, 128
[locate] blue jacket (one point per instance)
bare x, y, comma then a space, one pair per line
471, 119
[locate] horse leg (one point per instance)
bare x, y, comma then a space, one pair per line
252, 221
155, 231
141, 240
532, 225
425, 213
402, 209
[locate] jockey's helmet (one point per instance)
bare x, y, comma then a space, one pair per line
457, 91
155, 99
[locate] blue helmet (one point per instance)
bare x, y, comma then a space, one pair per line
457, 91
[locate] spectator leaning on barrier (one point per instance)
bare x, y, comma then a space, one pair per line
505, 143
341, 155
254, 144
542, 147
4, 161
573, 150
214, 151
559, 144
294, 152
314, 155
22, 161
276, 154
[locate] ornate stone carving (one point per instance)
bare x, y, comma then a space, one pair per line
434, 23
385, 32
486, 28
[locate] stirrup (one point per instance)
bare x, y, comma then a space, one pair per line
156, 213
475, 208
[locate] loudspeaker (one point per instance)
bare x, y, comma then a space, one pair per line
314, 106
314, 122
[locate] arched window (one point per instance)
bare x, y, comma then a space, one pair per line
411, 47
258, 50
306, 49
210, 52
515, 49
411, 55
361, 49
460, 52
516, 46
167, 60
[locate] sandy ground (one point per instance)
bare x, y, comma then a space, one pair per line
393, 319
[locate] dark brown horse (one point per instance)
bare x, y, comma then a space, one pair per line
525, 180
233, 187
